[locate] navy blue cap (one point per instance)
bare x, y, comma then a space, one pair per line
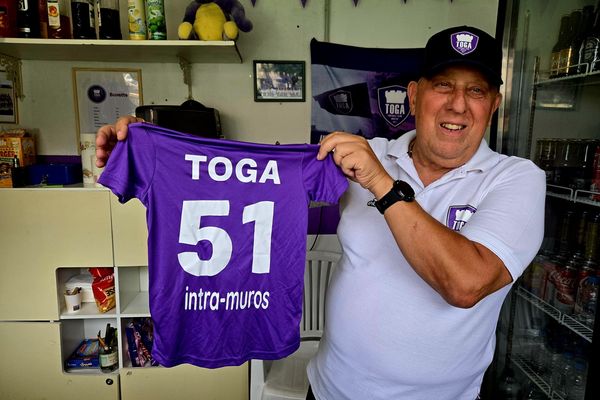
467, 46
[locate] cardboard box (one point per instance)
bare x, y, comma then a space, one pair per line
16, 147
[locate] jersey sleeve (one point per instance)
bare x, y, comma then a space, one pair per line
323, 180
510, 219
131, 166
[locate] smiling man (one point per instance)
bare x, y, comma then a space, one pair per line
413, 306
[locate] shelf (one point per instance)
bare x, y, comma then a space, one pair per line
526, 369
582, 330
593, 76
193, 51
134, 304
88, 311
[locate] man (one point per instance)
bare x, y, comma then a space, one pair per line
434, 230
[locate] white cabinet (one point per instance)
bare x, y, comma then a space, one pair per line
50, 235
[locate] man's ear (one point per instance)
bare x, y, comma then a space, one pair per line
412, 96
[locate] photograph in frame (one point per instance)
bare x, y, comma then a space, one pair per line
279, 80
8, 100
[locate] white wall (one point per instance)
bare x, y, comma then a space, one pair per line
282, 30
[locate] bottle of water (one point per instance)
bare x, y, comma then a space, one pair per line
576, 386
561, 376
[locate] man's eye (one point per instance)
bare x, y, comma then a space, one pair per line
477, 92
442, 85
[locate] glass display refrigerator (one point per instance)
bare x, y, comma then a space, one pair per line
548, 331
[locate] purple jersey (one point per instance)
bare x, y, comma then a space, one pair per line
226, 239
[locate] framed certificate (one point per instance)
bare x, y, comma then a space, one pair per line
104, 95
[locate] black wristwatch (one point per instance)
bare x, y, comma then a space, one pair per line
401, 191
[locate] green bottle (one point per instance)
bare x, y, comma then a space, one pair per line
155, 20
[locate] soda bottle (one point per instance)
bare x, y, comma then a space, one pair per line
588, 283
155, 19
136, 18
565, 280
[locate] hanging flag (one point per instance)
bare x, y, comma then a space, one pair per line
303, 3
361, 90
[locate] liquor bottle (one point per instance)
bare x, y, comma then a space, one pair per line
558, 46
108, 355
59, 21
8, 18
590, 48
82, 13
584, 29
108, 20
27, 19
566, 52
43, 16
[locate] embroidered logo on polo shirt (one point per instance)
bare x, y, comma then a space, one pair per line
464, 42
458, 216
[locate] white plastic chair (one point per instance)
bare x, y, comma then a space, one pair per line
286, 379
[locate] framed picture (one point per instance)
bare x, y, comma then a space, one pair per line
8, 99
104, 95
279, 80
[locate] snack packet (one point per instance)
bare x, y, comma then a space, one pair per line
103, 287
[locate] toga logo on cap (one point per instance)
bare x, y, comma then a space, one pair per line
464, 42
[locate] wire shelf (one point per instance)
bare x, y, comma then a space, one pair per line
574, 325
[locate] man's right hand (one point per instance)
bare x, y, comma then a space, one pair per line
108, 135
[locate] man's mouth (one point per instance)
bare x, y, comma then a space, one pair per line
452, 127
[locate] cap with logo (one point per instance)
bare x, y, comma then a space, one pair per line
464, 45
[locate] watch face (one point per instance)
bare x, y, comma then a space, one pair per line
404, 190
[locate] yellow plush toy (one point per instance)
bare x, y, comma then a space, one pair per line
214, 20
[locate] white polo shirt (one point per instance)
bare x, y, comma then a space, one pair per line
388, 334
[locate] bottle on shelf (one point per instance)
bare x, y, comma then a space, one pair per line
576, 382
156, 20
558, 46
82, 13
590, 48
567, 52
59, 20
136, 20
8, 18
108, 20
28, 25
43, 18
108, 352
588, 278
583, 30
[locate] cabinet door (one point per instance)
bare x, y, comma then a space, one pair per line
185, 382
129, 232
31, 367
41, 230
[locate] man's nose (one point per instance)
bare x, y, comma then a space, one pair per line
457, 100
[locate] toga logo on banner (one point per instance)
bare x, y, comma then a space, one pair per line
393, 104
